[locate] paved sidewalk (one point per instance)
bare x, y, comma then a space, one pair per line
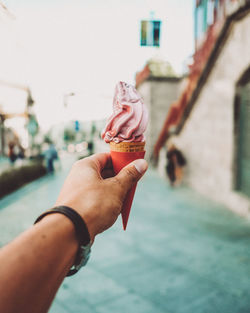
180, 254
4, 164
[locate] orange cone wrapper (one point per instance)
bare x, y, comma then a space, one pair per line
122, 154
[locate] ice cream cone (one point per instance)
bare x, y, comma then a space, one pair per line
122, 154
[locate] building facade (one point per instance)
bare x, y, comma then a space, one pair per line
159, 87
213, 124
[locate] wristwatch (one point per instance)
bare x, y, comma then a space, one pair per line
82, 258
82, 234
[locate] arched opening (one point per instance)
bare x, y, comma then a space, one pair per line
242, 134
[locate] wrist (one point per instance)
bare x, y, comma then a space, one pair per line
86, 214
63, 232
81, 232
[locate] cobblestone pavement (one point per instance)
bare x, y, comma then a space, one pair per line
181, 253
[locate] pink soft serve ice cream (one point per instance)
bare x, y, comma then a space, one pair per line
130, 116
125, 134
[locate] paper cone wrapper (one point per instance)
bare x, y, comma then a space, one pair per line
122, 154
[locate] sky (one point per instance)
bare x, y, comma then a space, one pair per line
59, 47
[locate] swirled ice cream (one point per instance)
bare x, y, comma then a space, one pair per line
130, 116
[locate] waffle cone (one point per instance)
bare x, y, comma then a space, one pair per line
127, 146
122, 154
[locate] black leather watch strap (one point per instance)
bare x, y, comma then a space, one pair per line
81, 229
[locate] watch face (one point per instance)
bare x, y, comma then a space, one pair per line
82, 258
83, 255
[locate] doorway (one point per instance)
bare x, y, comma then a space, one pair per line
242, 127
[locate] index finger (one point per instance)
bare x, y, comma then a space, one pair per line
102, 160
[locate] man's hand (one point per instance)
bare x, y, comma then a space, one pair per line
96, 193
34, 264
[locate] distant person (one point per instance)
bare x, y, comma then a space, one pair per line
11, 152
91, 147
50, 156
34, 265
21, 152
175, 164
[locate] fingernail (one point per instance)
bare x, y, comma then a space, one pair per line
141, 165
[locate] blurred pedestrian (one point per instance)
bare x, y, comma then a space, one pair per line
175, 163
50, 156
11, 152
91, 147
21, 151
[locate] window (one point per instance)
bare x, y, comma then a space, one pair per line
210, 12
150, 33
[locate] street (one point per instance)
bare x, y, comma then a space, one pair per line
181, 253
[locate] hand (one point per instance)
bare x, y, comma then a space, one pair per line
96, 193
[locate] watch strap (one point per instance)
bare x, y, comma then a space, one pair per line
82, 234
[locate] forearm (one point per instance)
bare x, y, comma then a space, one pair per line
34, 265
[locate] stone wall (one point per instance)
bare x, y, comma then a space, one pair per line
158, 94
207, 138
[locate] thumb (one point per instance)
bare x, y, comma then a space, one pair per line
131, 173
